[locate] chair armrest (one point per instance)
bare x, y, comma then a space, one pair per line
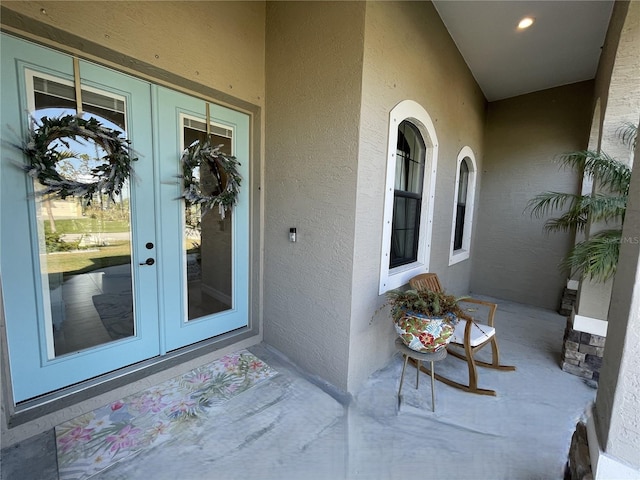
491, 306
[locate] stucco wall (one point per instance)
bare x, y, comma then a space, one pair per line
314, 71
514, 258
408, 55
618, 88
617, 403
617, 84
218, 44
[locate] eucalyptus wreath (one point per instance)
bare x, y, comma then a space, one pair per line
42, 156
223, 167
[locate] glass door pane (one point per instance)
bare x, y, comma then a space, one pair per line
84, 244
207, 238
85, 258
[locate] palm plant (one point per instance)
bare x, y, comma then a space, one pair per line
597, 256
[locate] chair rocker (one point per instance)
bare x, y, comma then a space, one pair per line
469, 335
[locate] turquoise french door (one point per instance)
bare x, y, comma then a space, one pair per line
92, 287
206, 256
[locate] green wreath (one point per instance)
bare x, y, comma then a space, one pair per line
42, 157
224, 169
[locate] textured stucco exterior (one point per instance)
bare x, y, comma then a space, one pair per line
314, 75
218, 44
417, 62
514, 258
617, 408
607, 60
621, 87
617, 91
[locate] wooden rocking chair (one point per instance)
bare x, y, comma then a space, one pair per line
469, 334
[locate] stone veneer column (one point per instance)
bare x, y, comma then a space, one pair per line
614, 427
582, 352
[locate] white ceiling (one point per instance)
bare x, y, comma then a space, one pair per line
562, 46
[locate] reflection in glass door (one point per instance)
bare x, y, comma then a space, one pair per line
84, 244
207, 238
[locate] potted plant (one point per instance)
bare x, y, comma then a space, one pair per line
425, 320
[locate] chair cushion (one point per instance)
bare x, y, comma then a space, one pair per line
479, 333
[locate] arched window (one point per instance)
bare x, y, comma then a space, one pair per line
463, 184
463, 206
409, 194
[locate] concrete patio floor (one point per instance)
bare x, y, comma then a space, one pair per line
293, 427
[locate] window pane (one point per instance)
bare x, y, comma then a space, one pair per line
52, 89
115, 120
85, 247
44, 101
463, 186
404, 231
457, 239
410, 158
463, 183
207, 238
410, 164
102, 101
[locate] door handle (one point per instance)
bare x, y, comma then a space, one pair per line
148, 261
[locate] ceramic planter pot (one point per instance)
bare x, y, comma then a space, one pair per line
424, 334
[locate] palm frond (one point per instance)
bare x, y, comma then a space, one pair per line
583, 208
544, 203
628, 133
575, 217
603, 207
607, 171
596, 257
569, 221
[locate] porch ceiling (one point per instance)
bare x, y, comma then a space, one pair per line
561, 47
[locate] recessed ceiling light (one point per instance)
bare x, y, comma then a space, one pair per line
526, 22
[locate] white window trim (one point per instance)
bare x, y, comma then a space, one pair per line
391, 278
463, 253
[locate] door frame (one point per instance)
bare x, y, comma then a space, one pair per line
205, 350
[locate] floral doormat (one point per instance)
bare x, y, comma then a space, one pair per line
91, 442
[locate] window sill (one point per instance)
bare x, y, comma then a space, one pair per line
458, 256
399, 276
